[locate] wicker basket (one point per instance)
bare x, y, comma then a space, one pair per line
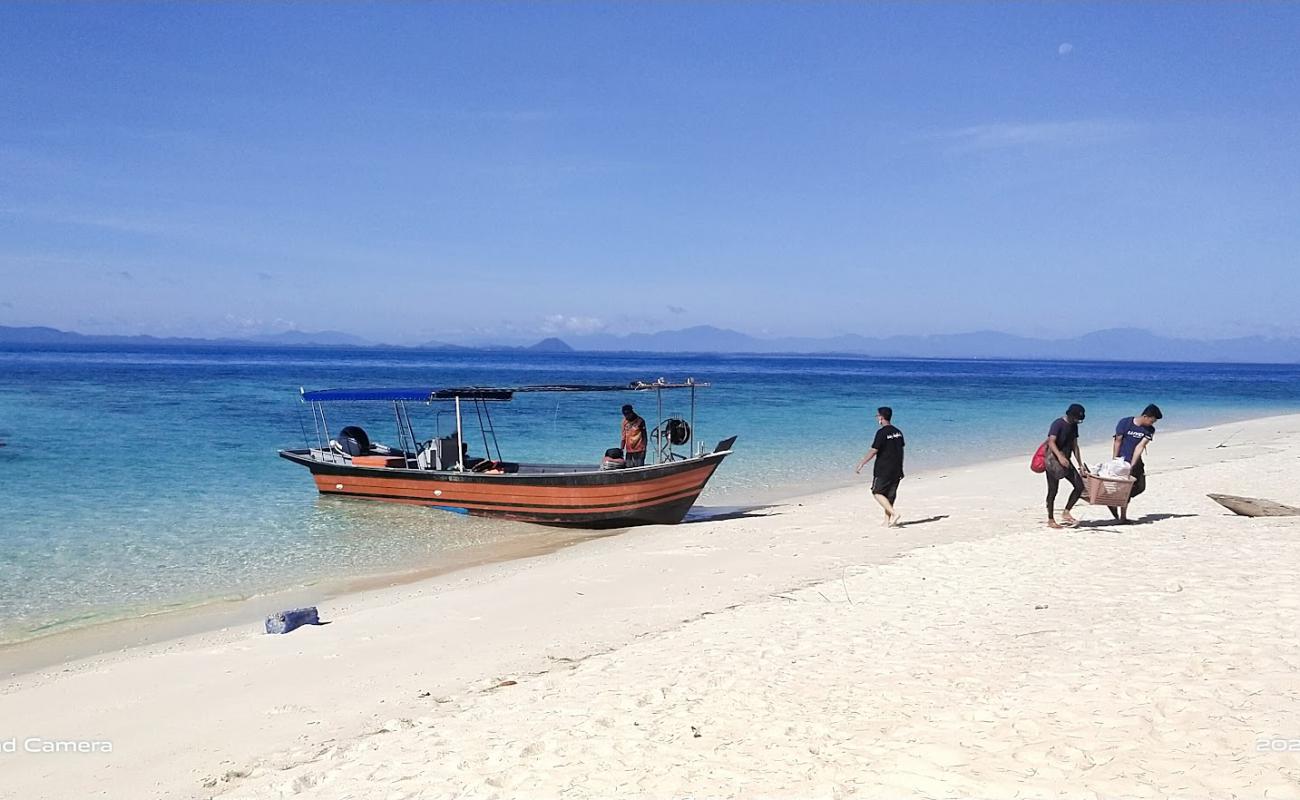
1107, 491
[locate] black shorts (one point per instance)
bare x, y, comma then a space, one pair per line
886, 486
1139, 476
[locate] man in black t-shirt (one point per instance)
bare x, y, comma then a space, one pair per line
1132, 435
887, 450
1062, 445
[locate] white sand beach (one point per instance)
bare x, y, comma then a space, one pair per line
798, 651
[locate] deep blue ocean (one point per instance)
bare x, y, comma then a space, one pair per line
136, 480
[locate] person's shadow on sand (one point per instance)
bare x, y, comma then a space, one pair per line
1163, 517
907, 523
1142, 520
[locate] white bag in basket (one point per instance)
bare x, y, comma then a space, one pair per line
1115, 468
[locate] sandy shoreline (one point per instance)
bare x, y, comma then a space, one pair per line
74, 642
234, 616
748, 624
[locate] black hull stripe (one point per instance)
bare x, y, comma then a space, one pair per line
495, 504
667, 512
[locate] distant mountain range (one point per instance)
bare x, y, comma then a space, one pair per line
548, 345
1119, 344
40, 335
54, 336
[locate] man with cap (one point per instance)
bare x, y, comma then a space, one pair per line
1062, 443
634, 438
1132, 435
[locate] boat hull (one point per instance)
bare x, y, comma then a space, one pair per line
657, 494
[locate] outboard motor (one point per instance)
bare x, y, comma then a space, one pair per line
613, 459
353, 441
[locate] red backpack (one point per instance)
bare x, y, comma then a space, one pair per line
1039, 462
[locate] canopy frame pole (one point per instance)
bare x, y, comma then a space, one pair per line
397, 416
403, 427
460, 438
663, 443
415, 445
482, 431
322, 435
691, 381
315, 424
325, 424
487, 411
306, 441
487, 429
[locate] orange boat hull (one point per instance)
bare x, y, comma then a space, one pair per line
658, 494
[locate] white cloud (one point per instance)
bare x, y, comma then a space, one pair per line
560, 323
149, 225
1065, 49
242, 324
1070, 133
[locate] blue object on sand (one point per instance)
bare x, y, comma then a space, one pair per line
285, 621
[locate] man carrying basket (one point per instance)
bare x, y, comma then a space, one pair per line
1062, 443
1132, 435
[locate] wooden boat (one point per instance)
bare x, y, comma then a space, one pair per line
439, 473
1254, 507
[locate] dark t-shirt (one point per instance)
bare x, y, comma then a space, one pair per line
1066, 433
1132, 435
888, 445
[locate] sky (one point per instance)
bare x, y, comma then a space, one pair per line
498, 171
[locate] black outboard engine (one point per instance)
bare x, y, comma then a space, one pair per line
354, 441
613, 459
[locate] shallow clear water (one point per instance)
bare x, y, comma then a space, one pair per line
140, 479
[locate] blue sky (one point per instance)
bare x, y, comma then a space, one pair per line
460, 172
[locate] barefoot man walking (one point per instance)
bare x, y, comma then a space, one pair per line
1062, 445
887, 450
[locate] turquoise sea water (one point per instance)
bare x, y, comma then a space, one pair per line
135, 480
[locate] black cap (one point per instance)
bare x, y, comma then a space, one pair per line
1076, 411
1152, 411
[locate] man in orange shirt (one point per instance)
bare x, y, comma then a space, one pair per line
634, 438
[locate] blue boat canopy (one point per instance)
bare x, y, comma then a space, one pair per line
420, 394
425, 394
